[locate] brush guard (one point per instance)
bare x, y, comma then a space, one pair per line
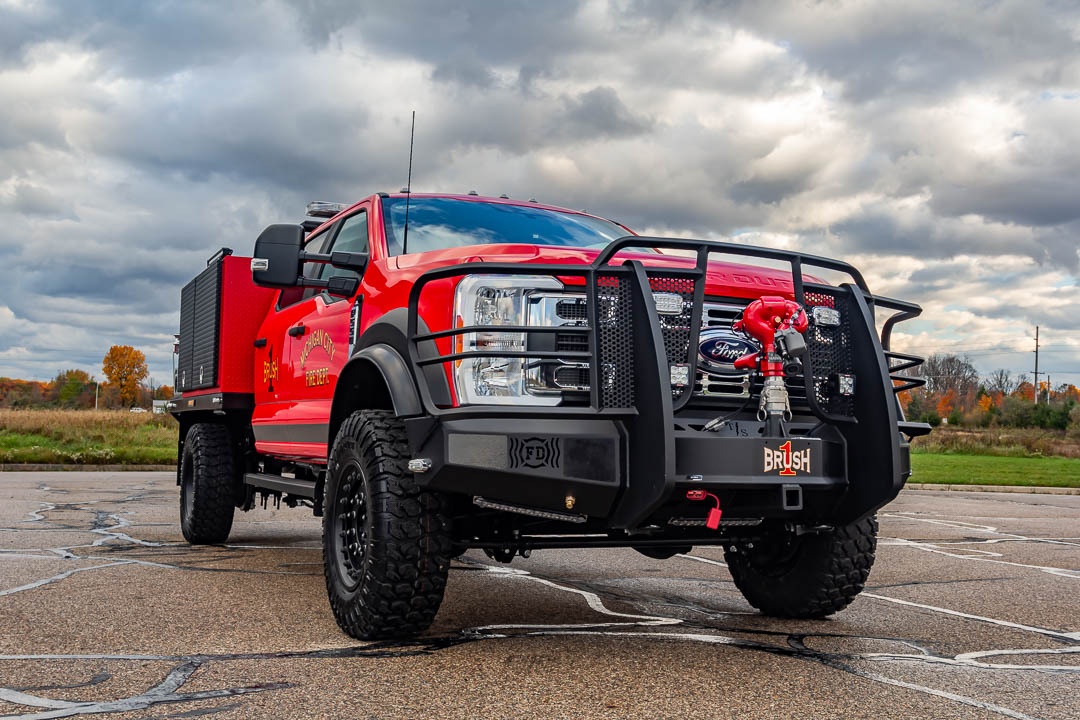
630, 360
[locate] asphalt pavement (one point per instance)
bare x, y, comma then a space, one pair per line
972, 611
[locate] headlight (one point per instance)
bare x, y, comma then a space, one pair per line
494, 300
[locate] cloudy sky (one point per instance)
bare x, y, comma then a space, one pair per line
934, 144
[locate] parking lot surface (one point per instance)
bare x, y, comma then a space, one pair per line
972, 611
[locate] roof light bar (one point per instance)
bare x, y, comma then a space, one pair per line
319, 208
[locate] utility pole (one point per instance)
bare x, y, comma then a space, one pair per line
1036, 393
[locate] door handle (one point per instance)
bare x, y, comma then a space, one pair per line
260, 342
298, 330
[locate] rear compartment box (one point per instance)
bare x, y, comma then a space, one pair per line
220, 313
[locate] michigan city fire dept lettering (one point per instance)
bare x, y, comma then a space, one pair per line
787, 461
319, 338
315, 377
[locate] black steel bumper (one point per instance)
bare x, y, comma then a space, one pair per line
624, 455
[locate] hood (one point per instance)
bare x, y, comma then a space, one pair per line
723, 279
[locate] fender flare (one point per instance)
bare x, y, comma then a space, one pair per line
383, 348
395, 373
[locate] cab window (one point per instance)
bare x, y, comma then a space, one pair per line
352, 237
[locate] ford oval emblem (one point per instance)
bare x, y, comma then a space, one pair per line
720, 348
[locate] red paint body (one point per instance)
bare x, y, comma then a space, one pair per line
243, 307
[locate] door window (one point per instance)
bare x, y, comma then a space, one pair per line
353, 237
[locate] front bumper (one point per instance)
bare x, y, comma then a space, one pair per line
624, 458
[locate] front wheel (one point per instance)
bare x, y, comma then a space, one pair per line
805, 576
386, 541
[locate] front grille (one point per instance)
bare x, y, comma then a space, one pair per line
572, 377
829, 348
735, 385
572, 310
571, 342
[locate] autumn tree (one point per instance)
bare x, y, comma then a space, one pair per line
126, 369
1004, 382
1024, 391
70, 386
945, 372
1069, 392
946, 404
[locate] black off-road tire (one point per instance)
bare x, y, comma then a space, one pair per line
207, 485
386, 541
809, 576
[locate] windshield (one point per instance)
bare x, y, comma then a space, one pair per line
438, 223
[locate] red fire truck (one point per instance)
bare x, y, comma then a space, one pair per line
434, 373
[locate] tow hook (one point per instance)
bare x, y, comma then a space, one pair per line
712, 520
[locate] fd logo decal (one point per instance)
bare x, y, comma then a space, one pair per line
789, 462
534, 452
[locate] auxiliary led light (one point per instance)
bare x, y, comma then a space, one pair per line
668, 303
826, 316
680, 375
845, 384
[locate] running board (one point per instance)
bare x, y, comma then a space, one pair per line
292, 486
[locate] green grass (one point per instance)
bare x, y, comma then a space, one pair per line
86, 437
995, 470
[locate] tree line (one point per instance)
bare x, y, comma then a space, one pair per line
125, 371
956, 394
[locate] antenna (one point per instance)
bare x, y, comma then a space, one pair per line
408, 187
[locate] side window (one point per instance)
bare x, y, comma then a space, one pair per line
316, 244
353, 237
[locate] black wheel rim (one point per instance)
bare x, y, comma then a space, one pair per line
351, 531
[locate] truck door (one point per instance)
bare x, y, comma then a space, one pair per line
315, 338
273, 375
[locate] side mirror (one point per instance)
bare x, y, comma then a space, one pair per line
277, 262
342, 286
349, 260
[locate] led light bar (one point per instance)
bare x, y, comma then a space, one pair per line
319, 208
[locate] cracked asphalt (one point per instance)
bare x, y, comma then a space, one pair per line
972, 611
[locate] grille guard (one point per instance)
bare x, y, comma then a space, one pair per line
633, 386
628, 279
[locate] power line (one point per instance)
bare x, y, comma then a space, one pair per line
964, 350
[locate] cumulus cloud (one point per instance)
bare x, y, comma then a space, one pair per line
936, 144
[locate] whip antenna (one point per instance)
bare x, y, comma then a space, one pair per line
408, 187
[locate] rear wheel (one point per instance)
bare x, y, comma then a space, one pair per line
386, 541
807, 576
206, 484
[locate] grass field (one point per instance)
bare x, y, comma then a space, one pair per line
87, 437
995, 470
